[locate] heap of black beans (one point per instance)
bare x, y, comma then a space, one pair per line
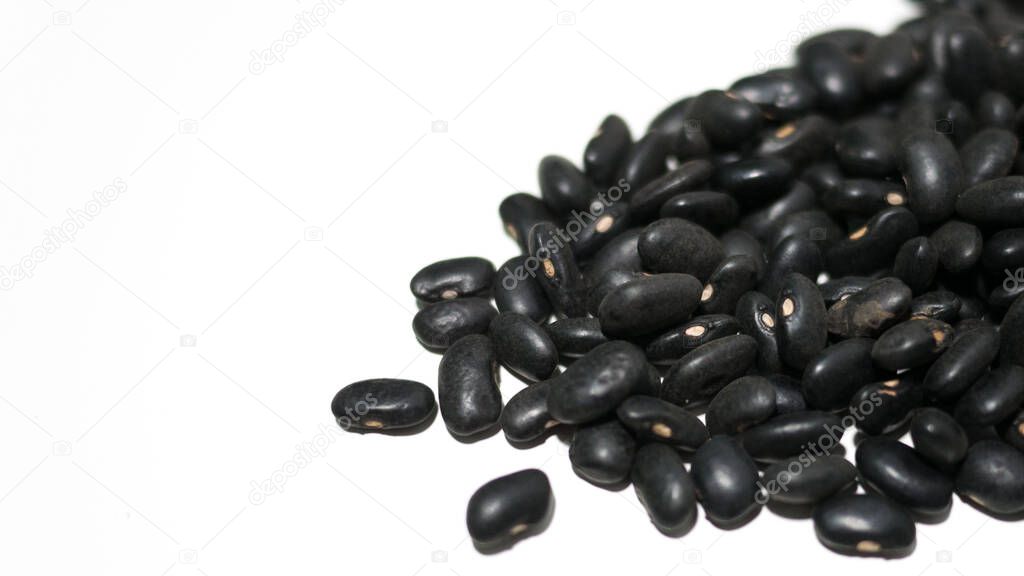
839, 244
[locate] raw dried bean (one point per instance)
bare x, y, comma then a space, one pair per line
519, 213
526, 418
801, 321
699, 375
938, 438
607, 150
665, 489
726, 480
646, 202
788, 435
743, 403
655, 420
865, 525
450, 279
715, 211
992, 477
467, 387
563, 187
756, 315
602, 453
440, 325
557, 271
649, 305
508, 509
669, 347
517, 291
995, 397
523, 347
916, 342
575, 337
871, 311
837, 372
382, 404
808, 482
916, 263
734, 277
594, 385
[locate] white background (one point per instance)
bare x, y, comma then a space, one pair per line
186, 344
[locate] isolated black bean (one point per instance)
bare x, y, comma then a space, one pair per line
440, 325
891, 64
837, 372
715, 211
525, 417
802, 329
736, 242
556, 269
992, 477
726, 118
734, 277
646, 161
646, 202
519, 213
1011, 334
808, 481
467, 387
575, 337
916, 263
958, 244
793, 255
865, 525
607, 150
563, 187
699, 375
995, 397
602, 453
1014, 435
620, 253
594, 385
898, 472
726, 480
1004, 251
781, 95
801, 141
756, 315
450, 279
745, 402
755, 181
871, 311
523, 347
516, 290
866, 147
938, 438
677, 245
970, 61
863, 197
998, 202
665, 489
655, 420
789, 397
832, 71
789, 435
837, 289
649, 305
932, 172
872, 246
988, 155
763, 221
677, 342
883, 407
382, 404
509, 508
916, 342
939, 304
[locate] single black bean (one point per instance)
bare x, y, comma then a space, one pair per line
526, 417
1011, 334
655, 420
837, 372
440, 325
594, 385
872, 246
607, 150
884, 407
992, 477
699, 375
808, 481
563, 187
866, 148
646, 202
764, 221
726, 480
891, 64
865, 525
988, 155
745, 402
734, 277
781, 95
938, 438
620, 253
995, 110
736, 242
871, 311
998, 202
802, 327
995, 397
1004, 251
897, 471
519, 213
649, 305
939, 304
677, 245
755, 181
832, 71
958, 244
382, 404
523, 347
553, 262
467, 387
756, 315
793, 255
863, 197
916, 263
592, 230
715, 211
726, 118
575, 337
665, 489
646, 161
970, 61
518, 291
450, 279
789, 435
602, 453
916, 342
509, 508
789, 397
932, 172
672, 345
801, 141
837, 289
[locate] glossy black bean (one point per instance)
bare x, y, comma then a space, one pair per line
801, 141
995, 397
972, 308
726, 118
988, 155
940, 305
515, 290
853, 41
691, 141
655, 420
734, 277
1011, 334
793, 255
602, 453
672, 345
736, 242
954, 120
789, 435
607, 150
998, 202
995, 110
699, 375
594, 385
813, 224
891, 64
605, 285
554, 264
837, 372
958, 244
620, 253
898, 472
762, 222
646, 160
1004, 251
789, 397
1010, 52
715, 211
649, 305
932, 172
938, 438
808, 481
467, 387
523, 347
745, 402
646, 202
450, 279
916, 342
834, 74
677, 245
992, 477
575, 337
865, 525
563, 186
508, 509
519, 213
970, 61
672, 119
867, 147
525, 417
916, 264
726, 480
802, 329
870, 311
756, 180
822, 177
756, 315
665, 489
440, 325
884, 407
837, 289
782, 95
872, 246
382, 404
592, 230
863, 197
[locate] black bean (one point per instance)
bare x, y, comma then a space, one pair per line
939, 304
781, 95
655, 420
871, 311
755, 180
932, 172
602, 453
382, 404
605, 285
440, 325
801, 141
554, 264
801, 321
467, 387
745, 402
677, 245
891, 64
607, 150
526, 417
1011, 334
574, 337
726, 118
677, 342
884, 407
793, 255
916, 264
995, 110
808, 481
523, 347
756, 315
726, 480
649, 305
897, 471
646, 161
865, 525
519, 213
837, 372
699, 375
813, 224
672, 120
872, 246
715, 211
866, 147
450, 279
789, 397
852, 41
992, 477
1004, 251
592, 230
646, 202
988, 155
938, 438
594, 385
690, 141
958, 244
789, 435
664, 489
508, 509
970, 61
620, 253
832, 71
734, 277
995, 397
764, 221
863, 197
837, 289
518, 291
563, 187
998, 202
916, 342
822, 177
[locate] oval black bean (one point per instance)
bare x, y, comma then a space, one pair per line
801, 316
509, 508
916, 342
998, 202
755, 181
897, 471
866, 147
519, 213
607, 150
655, 420
715, 211
789, 435
995, 397
939, 305
734, 277
525, 417
440, 325
646, 202
677, 245
670, 346
863, 197
594, 385
517, 291
992, 477
645, 161
450, 279
563, 187
884, 407
726, 118
837, 372
958, 245
988, 155
575, 337
382, 404
467, 387
916, 263
699, 375
1011, 334
871, 311
808, 481
665, 489
865, 525
793, 255
938, 438
523, 347
872, 246
726, 480
649, 305
743, 403
756, 315
555, 266
602, 453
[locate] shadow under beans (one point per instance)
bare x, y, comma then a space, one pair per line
507, 543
